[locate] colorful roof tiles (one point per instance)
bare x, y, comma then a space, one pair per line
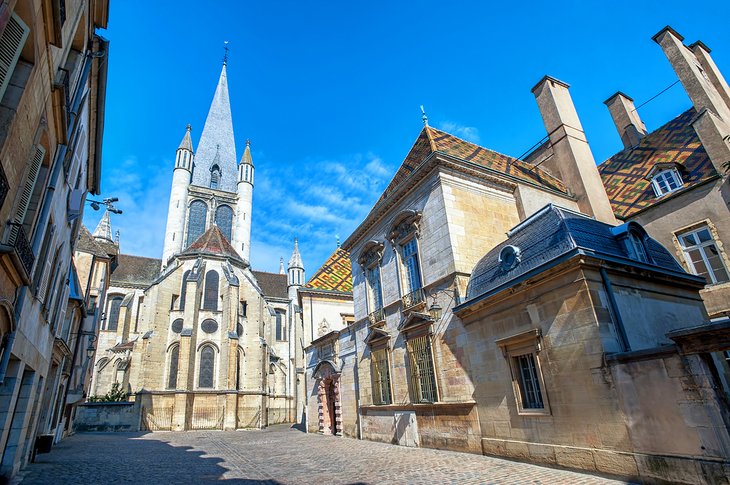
335, 274
212, 242
431, 140
625, 174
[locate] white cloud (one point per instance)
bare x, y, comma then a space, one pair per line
468, 133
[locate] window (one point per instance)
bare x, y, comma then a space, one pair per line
521, 352
140, 302
637, 248
11, 44
375, 293
215, 176
196, 221
174, 301
33, 190
423, 379
703, 256
380, 375
280, 326
172, 367
242, 308
239, 368
410, 264
183, 289
224, 220
666, 181
529, 383
113, 316
210, 297
207, 367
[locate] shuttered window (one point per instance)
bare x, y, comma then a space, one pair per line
32, 188
11, 44
224, 220
43, 264
196, 221
210, 297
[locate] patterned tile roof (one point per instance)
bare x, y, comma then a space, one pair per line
624, 174
431, 140
335, 274
212, 242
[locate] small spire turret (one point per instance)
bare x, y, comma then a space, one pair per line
296, 267
184, 157
104, 228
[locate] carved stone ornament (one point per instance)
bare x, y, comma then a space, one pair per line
407, 223
372, 254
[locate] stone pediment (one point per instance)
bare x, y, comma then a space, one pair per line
415, 321
376, 335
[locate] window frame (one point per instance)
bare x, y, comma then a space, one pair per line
189, 220
700, 246
665, 176
280, 326
203, 347
381, 385
111, 300
170, 353
208, 289
514, 347
418, 396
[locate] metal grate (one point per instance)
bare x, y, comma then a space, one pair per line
423, 380
529, 382
207, 417
413, 298
160, 419
380, 375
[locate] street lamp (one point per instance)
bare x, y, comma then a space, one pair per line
435, 310
90, 349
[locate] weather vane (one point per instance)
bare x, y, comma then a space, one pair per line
424, 117
225, 56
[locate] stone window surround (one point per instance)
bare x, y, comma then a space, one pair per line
404, 228
679, 251
670, 172
528, 342
212, 202
216, 357
168, 364
422, 331
370, 257
381, 341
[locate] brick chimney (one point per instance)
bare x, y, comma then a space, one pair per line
630, 127
573, 156
702, 53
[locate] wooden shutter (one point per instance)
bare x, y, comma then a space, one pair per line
11, 44
27, 192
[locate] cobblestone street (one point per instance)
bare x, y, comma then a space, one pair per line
278, 455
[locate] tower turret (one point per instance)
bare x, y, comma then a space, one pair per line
244, 190
184, 160
296, 270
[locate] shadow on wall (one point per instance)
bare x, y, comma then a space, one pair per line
86, 457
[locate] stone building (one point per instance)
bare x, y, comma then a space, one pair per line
673, 181
52, 93
198, 338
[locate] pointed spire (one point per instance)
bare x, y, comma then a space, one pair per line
116, 237
218, 136
296, 258
104, 229
225, 56
186, 143
246, 158
281, 266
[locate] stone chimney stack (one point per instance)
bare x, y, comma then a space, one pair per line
572, 154
702, 53
630, 127
693, 76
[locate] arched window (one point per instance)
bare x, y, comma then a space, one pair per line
207, 367
210, 297
215, 176
172, 367
196, 221
224, 220
239, 368
112, 319
183, 288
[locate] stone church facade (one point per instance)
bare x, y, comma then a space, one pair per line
198, 338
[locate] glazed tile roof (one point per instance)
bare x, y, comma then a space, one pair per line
135, 271
624, 174
212, 242
431, 140
273, 285
335, 274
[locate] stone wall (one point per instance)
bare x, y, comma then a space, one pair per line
108, 416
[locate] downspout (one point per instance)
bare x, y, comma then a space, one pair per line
620, 328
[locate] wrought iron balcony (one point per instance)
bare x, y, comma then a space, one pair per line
413, 298
4, 186
376, 316
17, 244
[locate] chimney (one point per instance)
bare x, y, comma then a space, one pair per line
626, 118
694, 78
702, 53
573, 156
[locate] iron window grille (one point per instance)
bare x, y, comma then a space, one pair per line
422, 376
529, 381
380, 375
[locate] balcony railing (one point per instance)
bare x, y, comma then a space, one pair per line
413, 298
4, 186
376, 316
23, 251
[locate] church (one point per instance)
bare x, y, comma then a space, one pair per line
198, 338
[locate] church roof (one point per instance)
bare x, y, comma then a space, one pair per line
186, 142
335, 274
273, 285
213, 242
135, 271
431, 140
217, 137
87, 244
675, 144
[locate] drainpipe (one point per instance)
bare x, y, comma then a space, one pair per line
620, 328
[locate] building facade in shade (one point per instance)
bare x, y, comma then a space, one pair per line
197, 338
52, 94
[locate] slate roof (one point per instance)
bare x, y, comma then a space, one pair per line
273, 285
87, 244
554, 233
135, 271
431, 140
335, 274
624, 174
213, 242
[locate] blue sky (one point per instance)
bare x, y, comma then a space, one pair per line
329, 94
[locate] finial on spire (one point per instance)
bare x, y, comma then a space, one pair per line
225, 56
338, 240
188, 127
281, 266
424, 117
248, 142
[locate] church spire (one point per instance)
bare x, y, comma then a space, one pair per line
281, 266
104, 229
218, 137
186, 143
296, 267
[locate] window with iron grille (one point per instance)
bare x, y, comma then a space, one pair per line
410, 264
112, 321
703, 255
380, 375
207, 367
529, 381
210, 297
422, 377
196, 221
224, 220
172, 368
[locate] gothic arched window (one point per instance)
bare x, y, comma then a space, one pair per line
239, 368
207, 367
196, 221
215, 176
210, 297
172, 367
183, 289
224, 220
113, 317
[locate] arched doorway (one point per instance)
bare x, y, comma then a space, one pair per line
328, 394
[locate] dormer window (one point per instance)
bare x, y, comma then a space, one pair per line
666, 181
215, 176
636, 247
